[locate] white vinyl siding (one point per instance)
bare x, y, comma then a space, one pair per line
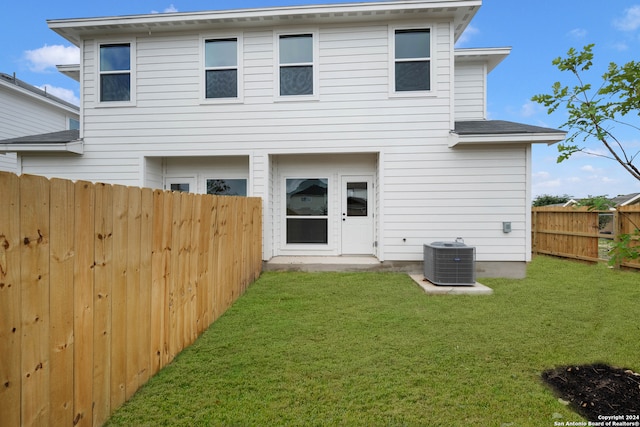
427, 191
24, 114
470, 91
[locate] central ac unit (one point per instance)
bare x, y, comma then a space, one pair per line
450, 264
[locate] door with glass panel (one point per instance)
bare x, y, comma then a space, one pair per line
357, 215
186, 185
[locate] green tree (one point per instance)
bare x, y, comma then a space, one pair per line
547, 199
594, 112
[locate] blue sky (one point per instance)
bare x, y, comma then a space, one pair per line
537, 31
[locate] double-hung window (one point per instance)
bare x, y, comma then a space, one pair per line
222, 78
412, 60
115, 72
296, 69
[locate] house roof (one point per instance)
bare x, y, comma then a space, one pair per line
61, 141
461, 11
626, 199
473, 132
11, 82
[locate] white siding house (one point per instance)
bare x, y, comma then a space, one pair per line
26, 110
359, 125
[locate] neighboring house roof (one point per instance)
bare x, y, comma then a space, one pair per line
61, 141
501, 131
620, 200
12, 82
626, 199
459, 11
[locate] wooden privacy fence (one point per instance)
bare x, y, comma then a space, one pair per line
577, 232
103, 285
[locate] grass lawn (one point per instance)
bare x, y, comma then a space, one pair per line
373, 349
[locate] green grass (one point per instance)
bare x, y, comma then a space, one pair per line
372, 349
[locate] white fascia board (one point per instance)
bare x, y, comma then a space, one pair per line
528, 138
491, 56
74, 147
70, 70
631, 200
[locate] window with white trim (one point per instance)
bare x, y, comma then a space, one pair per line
412, 60
296, 65
221, 68
115, 72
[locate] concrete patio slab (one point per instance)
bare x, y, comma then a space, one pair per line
431, 289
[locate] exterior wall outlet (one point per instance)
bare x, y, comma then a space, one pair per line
506, 227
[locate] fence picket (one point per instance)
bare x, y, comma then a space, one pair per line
103, 275
61, 296
10, 301
35, 288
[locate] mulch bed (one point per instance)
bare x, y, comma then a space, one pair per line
598, 389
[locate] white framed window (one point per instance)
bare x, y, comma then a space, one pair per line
307, 211
411, 61
222, 79
296, 72
116, 73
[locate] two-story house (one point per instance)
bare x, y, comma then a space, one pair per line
360, 125
26, 110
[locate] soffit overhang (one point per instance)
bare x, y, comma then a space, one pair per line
460, 12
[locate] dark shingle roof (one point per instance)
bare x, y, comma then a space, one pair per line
498, 127
44, 138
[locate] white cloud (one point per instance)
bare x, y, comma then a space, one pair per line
530, 108
46, 57
588, 168
630, 21
467, 35
578, 33
169, 9
541, 175
62, 93
620, 46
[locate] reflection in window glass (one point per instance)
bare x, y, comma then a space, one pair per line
357, 203
412, 60
115, 72
227, 187
221, 68
182, 187
307, 210
296, 65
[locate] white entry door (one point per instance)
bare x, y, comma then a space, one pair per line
357, 215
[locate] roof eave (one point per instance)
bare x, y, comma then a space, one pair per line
72, 147
513, 138
75, 29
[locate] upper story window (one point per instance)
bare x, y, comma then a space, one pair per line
115, 72
297, 72
221, 68
412, 60
74, 124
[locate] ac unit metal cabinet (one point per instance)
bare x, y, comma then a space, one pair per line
450, 264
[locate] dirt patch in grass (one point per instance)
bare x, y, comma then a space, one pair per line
598, 389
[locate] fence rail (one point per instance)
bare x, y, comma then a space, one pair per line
576, 232
103, 285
